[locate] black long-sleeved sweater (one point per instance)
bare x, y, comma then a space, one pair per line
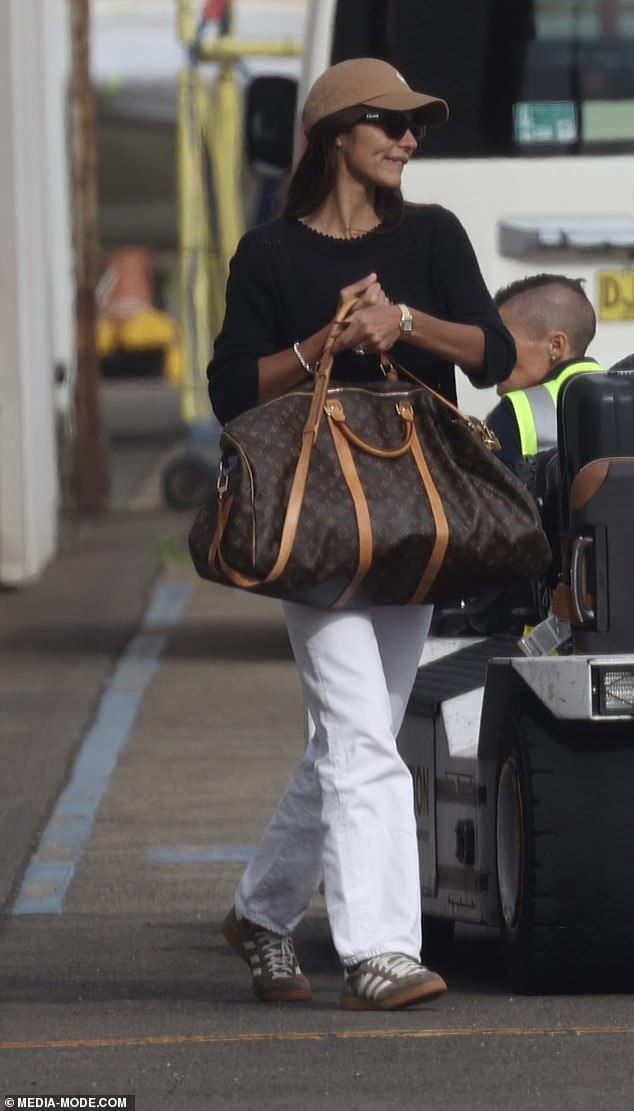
284, 285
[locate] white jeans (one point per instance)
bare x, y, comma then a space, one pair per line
348, 813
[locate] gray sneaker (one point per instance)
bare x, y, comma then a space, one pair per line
389, 981
277, 977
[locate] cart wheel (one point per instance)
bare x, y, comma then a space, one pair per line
186, 481
438, 936
564, 831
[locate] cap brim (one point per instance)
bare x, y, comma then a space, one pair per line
428, 109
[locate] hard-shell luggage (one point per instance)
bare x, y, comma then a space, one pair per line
601, 556
595, 420
596, 447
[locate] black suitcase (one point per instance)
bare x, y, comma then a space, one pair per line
595, 420
596, 452
601, 556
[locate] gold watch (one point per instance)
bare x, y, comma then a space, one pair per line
407, 320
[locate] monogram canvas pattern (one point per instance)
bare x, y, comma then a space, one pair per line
495, 537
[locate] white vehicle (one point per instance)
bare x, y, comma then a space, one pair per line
537, 157
522, 764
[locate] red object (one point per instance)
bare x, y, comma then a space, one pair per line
214, 9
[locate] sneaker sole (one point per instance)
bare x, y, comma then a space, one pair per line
423, 993
230, 934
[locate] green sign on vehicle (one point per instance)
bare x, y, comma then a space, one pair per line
548, 121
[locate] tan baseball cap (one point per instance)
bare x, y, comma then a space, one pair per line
368, 81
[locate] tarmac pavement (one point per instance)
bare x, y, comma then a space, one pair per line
148, 724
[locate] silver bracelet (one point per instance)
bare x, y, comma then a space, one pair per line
305, 365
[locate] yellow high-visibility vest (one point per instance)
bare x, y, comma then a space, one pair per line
536, 408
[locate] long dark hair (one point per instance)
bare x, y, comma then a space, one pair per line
316, 172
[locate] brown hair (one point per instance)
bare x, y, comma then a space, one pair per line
316, 172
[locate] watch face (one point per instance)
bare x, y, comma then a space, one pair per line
407, 321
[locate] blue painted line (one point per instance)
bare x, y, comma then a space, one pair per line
51, 869
167, 605
199, 854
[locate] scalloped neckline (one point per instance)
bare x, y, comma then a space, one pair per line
341, 238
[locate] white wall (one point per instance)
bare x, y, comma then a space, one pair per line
35, 279
54, 19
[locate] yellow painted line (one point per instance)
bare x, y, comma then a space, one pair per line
325, 1035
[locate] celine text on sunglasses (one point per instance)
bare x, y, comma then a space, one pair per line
394, 124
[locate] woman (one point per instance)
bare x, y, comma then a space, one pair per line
347, 814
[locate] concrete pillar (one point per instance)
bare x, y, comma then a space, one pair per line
35, 289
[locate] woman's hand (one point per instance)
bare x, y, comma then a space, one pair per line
373, 324
367, 291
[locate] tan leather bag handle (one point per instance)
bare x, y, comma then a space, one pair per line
342, 433
336, 415
393, 369
298, 485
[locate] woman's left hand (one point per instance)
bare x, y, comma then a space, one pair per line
370, 329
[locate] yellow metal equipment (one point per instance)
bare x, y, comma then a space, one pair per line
211, 208
128, 322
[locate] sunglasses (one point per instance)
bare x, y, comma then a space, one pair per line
394, 124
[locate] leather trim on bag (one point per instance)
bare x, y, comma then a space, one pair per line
298, 487
364, 523
336, 413
441, 542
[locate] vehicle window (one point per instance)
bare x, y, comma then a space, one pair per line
522, 77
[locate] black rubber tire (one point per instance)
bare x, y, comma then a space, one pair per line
564, 848
186, 481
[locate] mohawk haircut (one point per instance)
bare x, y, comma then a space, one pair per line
546, 303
